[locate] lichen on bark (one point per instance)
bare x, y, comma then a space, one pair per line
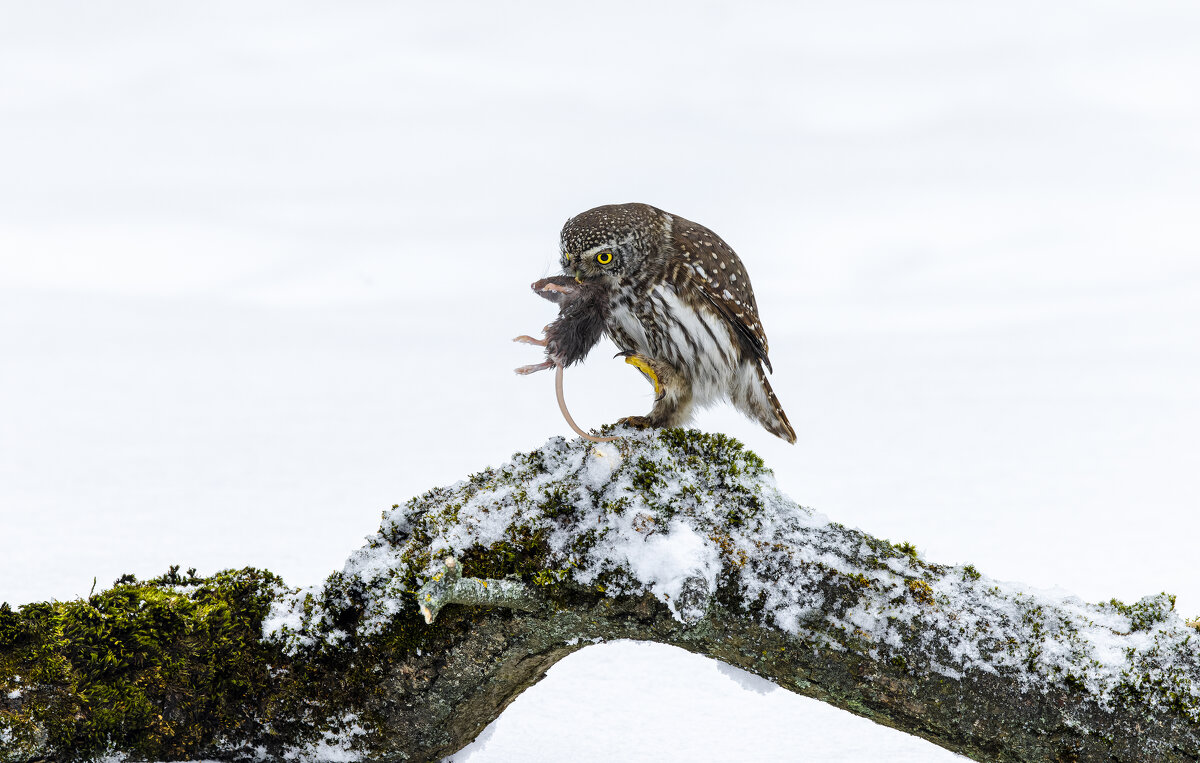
448, 586
676, 536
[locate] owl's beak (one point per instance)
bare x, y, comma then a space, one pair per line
578, 277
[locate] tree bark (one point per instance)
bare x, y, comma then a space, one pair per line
468, 594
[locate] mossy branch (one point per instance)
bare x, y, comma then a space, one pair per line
450, 587
677, 537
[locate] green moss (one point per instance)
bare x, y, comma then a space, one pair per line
714, 451
585, 541
860, 580
164, 670
617, 506
921, 591
646, 478
970, 573
906, 549
883, 550
523, 553
557, 502
549, 577
1146, 612
483, 479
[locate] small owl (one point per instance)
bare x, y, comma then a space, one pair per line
680, 304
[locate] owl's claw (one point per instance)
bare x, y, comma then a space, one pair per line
640, 364
637, 422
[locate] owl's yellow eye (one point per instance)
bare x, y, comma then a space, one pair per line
604, 258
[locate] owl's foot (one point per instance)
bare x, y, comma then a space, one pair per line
637, 422
672, 394
526, 370
638, 362
526, 339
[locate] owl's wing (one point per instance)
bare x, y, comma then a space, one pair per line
712, 265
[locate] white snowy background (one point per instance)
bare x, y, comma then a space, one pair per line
260, 264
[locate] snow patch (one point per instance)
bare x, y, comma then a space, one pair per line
333, 747
745, 679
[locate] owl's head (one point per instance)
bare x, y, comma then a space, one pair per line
611, 241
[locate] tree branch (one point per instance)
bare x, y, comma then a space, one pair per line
450, 587
677, 537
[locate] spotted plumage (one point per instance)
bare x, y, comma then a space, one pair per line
680, 299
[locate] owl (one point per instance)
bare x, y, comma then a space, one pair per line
675, 298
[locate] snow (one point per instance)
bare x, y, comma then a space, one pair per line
678, 509
333, 747
605, 459
664, 562
662, 555
638, 692
286, 616
245, 251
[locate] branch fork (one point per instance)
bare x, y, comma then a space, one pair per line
448, 586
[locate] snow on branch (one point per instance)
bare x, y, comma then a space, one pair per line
469, 593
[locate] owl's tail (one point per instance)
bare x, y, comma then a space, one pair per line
754, 397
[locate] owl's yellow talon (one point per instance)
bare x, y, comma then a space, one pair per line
642, 366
